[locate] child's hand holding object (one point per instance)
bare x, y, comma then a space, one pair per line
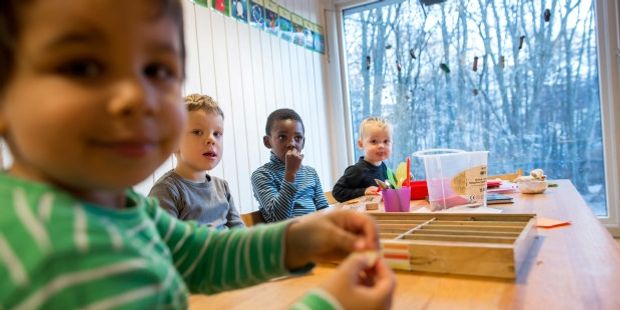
361, 281
371, 191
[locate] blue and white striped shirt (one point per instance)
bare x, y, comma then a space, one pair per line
280, 199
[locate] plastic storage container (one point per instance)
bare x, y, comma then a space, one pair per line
455, 177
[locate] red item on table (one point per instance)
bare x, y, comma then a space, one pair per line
493, 183
419, 190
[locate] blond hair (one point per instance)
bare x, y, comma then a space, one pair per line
195, 102
373, 121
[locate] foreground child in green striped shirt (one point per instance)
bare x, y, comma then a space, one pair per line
90, 104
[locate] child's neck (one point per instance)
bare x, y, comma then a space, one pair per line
190, 174
374, 163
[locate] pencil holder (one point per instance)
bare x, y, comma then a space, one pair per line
396, 200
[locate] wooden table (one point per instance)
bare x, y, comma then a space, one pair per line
568, 267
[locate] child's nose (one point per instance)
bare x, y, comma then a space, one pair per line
132, 97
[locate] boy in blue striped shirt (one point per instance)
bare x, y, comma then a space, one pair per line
284, 187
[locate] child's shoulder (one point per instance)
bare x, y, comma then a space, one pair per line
266, 168
168, 178
25, 202
309, 169
40, 224
169, 183
219, 184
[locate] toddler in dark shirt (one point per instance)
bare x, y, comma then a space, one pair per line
375, 139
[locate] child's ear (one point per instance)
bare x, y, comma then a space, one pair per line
267, 142
360, 144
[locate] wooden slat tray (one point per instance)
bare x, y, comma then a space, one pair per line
493, 245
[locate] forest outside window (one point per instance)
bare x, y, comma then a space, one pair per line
518, 78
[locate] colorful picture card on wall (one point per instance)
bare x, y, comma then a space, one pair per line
204, 3
319, 39
257, 13
271, 17
222, 6
284, 20
308, 35
298, 29
274, 18
239, 10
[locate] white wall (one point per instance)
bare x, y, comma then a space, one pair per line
251, 73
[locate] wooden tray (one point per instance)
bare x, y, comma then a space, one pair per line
493, 245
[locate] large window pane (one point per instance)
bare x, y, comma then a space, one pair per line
517, 78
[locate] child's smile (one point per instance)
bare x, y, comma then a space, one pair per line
132, 147
93, 104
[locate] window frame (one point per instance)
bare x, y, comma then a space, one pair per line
608, 40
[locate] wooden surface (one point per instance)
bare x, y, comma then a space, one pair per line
568, 267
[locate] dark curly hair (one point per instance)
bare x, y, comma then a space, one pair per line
11, 12
280, 115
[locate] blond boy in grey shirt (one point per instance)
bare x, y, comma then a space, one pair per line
187, 191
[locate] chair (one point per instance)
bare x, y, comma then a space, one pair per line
252, 218
330, 198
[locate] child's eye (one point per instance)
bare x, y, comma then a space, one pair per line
218, 134
298, 138
281, 137
373, 141
82, 68
197, 132
159, 71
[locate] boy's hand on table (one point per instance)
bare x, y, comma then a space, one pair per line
371, 191
292, 163
329, 236
356, 285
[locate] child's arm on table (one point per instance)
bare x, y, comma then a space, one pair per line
371, 190
346, 187
239, 258
212, 261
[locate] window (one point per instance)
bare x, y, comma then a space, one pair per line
516, 77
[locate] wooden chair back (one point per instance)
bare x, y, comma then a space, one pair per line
252, 218
330, 198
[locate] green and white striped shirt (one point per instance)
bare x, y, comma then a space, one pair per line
58, 252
